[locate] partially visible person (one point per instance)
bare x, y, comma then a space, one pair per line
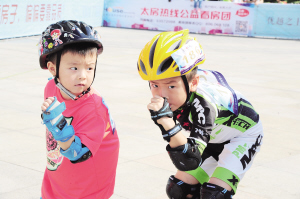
237, 1
197, 3
281, 2
256, 2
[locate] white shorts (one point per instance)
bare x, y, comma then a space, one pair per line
230, 160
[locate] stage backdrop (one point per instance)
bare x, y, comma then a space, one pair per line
213, 18
31, 17
277, 20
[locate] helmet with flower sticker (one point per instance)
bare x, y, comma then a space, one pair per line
63, 33
59, 35
156, 60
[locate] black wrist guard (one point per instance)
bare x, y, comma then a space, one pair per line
165, 111
171, 132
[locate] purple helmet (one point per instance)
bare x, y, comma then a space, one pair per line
62, 33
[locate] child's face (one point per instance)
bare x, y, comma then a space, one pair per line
76, 72
172, 88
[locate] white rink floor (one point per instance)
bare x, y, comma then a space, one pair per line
266, 71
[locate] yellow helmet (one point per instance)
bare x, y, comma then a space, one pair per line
156, 59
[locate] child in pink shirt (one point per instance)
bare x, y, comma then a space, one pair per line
82, 142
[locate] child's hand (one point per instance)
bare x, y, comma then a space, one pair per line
47, 103
55, 121
156, 103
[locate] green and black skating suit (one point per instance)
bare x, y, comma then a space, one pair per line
227, 122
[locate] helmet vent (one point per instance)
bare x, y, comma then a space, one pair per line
174, 46
152, 51
83, 28
165, 65
177, 69
68, 26
143, 67
56, 26
173, 38
187, 41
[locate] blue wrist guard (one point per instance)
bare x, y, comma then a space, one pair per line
56, 122
77, 151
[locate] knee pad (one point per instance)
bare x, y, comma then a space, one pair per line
185, 157
177, 189
212, 191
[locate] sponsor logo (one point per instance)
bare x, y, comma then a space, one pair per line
240, 150
234, 180
247, 159
242, 12
199, 131
241, 123
200, 111
214, 137
61, 124
211, 186
116, 10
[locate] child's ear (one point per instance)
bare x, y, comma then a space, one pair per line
194, 83
51, 67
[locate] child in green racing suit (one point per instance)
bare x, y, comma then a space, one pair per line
225, 130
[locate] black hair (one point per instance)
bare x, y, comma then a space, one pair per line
192, 74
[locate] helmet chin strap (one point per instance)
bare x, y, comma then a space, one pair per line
67, 92
188, 96
62, 88
187, 88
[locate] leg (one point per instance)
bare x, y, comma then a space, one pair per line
237, 158
220, 183
186, 177
197, 176
196, 4
182, 186
199, 5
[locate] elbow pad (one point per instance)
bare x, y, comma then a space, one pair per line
77, 152
186, 157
